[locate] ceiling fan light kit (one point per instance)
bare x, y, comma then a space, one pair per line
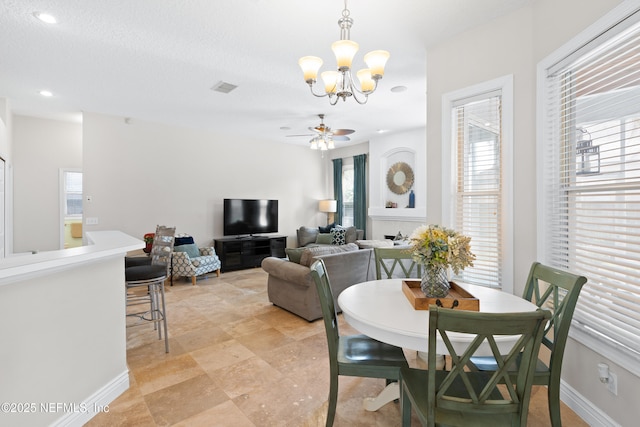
324, 137
322, 143
340, 84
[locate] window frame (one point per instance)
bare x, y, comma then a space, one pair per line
65, 194
615, 21
504, 85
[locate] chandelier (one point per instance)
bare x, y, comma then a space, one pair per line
340, 84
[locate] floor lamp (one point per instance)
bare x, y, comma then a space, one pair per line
329, 207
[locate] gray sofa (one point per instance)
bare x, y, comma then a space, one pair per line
291, 287
313, 236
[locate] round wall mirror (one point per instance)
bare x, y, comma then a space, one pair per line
400, 178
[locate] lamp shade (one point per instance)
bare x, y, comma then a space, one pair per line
376, 60
366, 82
330, 79
344, 50
310, 66
328, 206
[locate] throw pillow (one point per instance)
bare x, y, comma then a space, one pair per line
294, 254
328, 228
352, 234
338, 236
323, 239
306, 235
190, 249
183, 240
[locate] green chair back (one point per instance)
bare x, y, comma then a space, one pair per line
462, 396
390, 260
555, 290
329, 314
558, 291
355, 355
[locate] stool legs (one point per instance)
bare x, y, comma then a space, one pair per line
154, 297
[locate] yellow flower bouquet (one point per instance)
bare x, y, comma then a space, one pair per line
438, 249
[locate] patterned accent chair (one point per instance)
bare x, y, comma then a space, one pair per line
192, 261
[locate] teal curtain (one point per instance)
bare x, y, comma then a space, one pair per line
360, 192
337, 188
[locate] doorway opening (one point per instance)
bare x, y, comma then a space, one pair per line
71, 208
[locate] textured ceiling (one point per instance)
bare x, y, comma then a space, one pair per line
156, 60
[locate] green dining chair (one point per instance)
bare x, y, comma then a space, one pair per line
463, 397
558, 291
390, 259
352, 355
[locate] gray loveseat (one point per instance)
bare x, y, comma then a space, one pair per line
291, 287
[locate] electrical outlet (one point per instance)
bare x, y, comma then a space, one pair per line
612, 384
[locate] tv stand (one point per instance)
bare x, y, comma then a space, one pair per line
241, 252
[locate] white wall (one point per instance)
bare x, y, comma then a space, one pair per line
5, 129
142, 174
6, 137
40, 148
385, 150
500, 48
63, 340
514, 44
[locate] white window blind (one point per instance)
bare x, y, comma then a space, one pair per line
591, 183
478, 189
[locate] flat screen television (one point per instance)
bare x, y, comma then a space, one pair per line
250, 216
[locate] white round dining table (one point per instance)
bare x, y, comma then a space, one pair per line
380, 310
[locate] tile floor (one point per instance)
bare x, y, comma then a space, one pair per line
236, 360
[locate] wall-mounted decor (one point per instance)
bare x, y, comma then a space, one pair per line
400, 178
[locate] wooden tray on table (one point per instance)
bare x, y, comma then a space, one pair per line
458, 298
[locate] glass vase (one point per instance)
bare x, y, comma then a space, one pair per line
435, 283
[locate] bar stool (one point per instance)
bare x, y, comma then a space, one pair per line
145, 284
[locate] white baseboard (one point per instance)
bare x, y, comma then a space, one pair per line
96, 403
584, 408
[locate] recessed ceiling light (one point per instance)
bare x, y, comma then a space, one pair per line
398, 89
46, 93
45, 17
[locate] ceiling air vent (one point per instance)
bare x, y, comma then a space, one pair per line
223, 87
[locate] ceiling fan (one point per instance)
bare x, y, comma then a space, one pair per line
324, 136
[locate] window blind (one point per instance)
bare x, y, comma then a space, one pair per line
592, 183
477, 130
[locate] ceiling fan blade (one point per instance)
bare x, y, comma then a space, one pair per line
340, 138
343, 131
